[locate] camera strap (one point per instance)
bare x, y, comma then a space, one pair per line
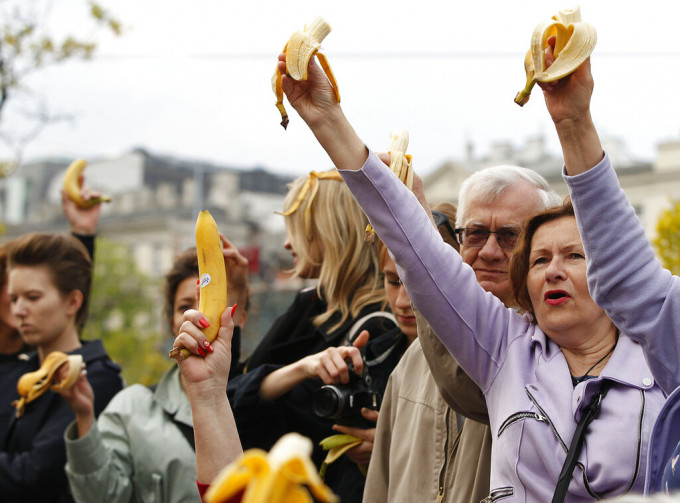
590, 412
353, 332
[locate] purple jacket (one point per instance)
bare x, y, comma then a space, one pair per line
533, 407
641, 297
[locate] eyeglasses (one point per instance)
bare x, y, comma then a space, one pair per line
478, 236
440, 219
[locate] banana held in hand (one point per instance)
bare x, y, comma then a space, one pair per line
72, 185
285, 475
299, 50
574, 42
212, 276
400, 165
336, 445
33, 384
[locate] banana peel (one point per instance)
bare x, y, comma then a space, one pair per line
299, 49
337, 445
400, 165
285, 475
574, 42
34, 384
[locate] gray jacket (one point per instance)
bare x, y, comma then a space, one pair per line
135, 452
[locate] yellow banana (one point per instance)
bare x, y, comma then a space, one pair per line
212, 276
299, 49
400, 165
574, 42
285, 475
33, 384
72, 185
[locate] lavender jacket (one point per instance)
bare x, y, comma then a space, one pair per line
533, 407
642, 298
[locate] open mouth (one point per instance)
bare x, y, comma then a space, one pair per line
555, 296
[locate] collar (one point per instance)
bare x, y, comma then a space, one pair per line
172, 398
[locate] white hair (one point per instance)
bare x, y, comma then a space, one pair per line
491, 182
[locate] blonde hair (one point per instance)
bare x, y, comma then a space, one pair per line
333, 227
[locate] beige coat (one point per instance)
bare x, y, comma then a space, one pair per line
419, 454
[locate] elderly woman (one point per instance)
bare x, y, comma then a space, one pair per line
540, 373
624, 276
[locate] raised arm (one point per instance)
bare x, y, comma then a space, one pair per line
205, 377
568, 102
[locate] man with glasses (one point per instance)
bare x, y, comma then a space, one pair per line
433, 406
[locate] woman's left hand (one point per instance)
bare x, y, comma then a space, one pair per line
361, 454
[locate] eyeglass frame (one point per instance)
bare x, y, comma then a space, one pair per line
461, 230
440, 219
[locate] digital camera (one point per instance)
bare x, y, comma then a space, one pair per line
343, 402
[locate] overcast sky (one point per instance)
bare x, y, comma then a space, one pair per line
192, 79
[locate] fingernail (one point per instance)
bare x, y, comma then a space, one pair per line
201, 352
198, 281
204, 323
210, 348
233, 310
206, 344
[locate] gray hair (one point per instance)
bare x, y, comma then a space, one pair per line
490, 182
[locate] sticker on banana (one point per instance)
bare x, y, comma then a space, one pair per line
33, 385
285, 475
212, 278
574, 42
299, 49
73, 188
400, 165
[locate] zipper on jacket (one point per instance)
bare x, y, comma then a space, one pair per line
547, 420
442, 472
498, 494
520, 416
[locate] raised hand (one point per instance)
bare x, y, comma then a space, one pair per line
206, 371
83, 220
237, 279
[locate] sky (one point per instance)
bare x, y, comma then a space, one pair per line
192, 79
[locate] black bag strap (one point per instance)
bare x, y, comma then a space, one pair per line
186, 430
589, 413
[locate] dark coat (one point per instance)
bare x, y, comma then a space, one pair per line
293, 336
33, 453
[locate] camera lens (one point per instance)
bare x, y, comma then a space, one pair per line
328, 401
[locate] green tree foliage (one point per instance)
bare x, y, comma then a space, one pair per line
29, 42
667, 242
124, 314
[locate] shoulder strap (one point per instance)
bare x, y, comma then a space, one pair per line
353, 332
589, 414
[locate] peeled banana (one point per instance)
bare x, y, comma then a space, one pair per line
400, 165
299, 50
33, 384
212, 277
72, 185
574, 42
284, 475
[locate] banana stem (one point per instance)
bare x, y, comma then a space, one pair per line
523, 96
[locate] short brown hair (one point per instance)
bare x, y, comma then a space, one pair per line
519, 261
65, 257
185, 265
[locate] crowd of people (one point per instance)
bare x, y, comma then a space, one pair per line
517, 347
